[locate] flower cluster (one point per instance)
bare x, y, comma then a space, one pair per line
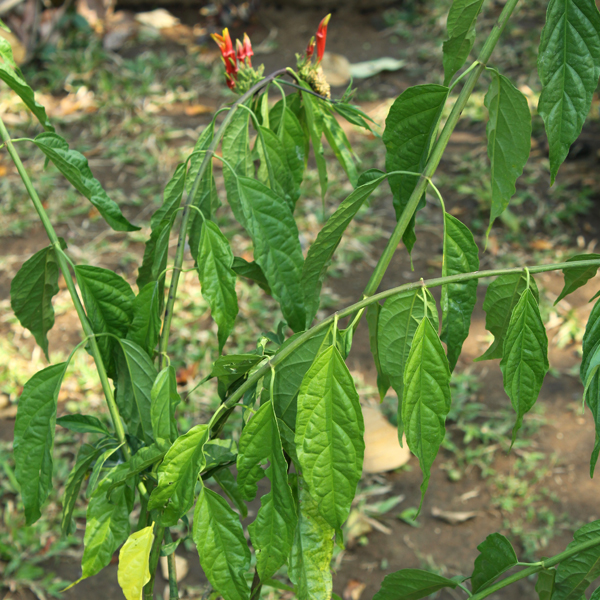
238, 62
311, 72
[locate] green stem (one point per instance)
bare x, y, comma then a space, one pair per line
536, 568
173, 591
365, 302
64, 267
185, 216
439, 148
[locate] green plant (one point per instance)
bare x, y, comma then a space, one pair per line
294, 398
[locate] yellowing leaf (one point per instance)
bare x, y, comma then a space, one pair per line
134, 573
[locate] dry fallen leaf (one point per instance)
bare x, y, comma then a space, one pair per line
354, 590
452, 517
382, 448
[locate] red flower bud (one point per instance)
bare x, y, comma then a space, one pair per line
322, 37
248, 49
310, 49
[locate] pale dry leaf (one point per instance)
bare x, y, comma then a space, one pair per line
452, 517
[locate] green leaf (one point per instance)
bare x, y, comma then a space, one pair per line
229, 485
31, 293
501, 297
108, 301
576, 573
311, 554
383, 381
509, 140
155, 258
524, 361
545, 584
410, 128
134, 571
144, 329
34, 437
178, 474
329, 435
274, 170
250, 270
277, 250
590, 376
85, 457
82, 424
328, 239
295, 149
412, 584
236, 151
222, 547
290, 373
577, 276
135, 377
107, 526
97, 470
272, 532
461, 35
568, 67
74, 166
217, 279
17, 84
426, 398
461, 255
314, 122
340, 145
353, 114
163, 401
171, 196
398, 321
496, 556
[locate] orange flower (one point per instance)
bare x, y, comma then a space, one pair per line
322, 37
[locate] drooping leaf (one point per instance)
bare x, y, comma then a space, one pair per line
223, 550
590, 376
312, 550
501, 297
134, 571
108, 301
96, 474
568, 67
164, 400
328, 239
85, 457
398, 321
509, 140
135, 377
277, 250
178, 474
412, 584
74, 166
461, 35
274, 170
578, 276
545, 584
294, 147
290, 373
272, 532
410, 127
461, 255
31, 293
17, 84
340, 145
155, 258
82, 424
171, 196
353, 114
329, 435
144, 329
524, 361
34, 437
217, 279
383, 381
228, 483
236, 151
314, 122
574, 574
250, 270
107, 526
426, 397
496, 556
